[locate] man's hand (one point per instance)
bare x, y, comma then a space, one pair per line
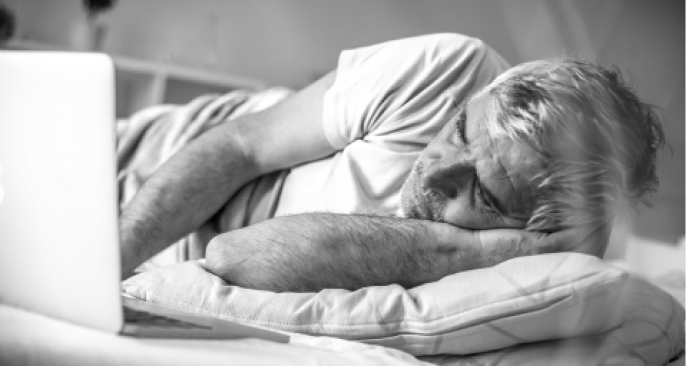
590, 240
500, 244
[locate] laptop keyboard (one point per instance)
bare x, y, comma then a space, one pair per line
139, 317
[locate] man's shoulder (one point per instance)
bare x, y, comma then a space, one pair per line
430, 51
448, 41
448, 38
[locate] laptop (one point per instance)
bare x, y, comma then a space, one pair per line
59, 237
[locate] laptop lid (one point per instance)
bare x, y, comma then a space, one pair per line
59, 249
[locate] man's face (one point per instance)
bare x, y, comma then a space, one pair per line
470, 179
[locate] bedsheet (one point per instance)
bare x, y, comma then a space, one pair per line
30, 339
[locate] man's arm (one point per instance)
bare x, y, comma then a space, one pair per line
311, 252
189, 188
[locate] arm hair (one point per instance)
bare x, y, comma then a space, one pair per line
310, 252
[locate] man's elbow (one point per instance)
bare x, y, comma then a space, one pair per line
218, 256
230, 257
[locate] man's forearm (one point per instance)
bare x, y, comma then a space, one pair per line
184, 193
310, 252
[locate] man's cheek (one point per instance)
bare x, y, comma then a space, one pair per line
408, 191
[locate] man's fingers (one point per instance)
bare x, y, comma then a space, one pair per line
588, 239
501, 244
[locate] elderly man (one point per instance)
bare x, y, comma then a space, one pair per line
415, 159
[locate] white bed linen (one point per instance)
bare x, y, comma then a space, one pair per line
30, 339
538, 310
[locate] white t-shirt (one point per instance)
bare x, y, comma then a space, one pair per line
387, 103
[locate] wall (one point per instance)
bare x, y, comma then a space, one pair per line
292, 42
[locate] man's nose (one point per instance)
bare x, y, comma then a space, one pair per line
448, 177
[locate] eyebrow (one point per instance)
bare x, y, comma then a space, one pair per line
463, 132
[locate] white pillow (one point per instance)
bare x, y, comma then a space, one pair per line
527, 299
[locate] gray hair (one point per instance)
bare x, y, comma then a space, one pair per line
598, 142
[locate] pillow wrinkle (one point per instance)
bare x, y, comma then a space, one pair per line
265, 298
485, 328
575, 304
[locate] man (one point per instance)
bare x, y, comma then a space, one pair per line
452, 154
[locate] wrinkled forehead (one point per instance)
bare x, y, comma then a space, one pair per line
503, 78
480, 107
520, 123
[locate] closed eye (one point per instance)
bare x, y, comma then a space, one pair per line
482, 200
487, 204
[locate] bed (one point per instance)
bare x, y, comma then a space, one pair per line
548, 309
572, 310
392, 317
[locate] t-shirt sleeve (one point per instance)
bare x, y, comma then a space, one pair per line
400, 91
